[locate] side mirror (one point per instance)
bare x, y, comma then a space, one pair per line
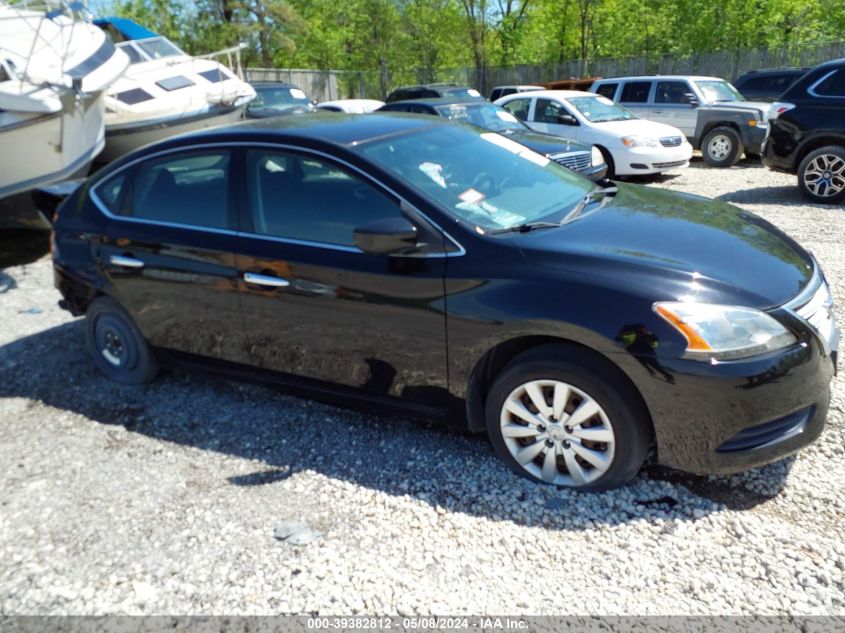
691, 99
567, 119
387, 236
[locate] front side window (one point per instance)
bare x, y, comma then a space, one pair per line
635, 92
295, 196
485, 180
833, 85
519, 108
600, 110
676, 92
187, 188
548, 111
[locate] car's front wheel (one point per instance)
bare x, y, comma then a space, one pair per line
821, 175
116, 345
560, 415
722, 147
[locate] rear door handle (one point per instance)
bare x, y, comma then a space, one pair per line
126, 262
265, 280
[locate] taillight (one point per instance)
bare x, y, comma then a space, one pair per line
778, 108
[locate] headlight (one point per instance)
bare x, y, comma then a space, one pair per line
640, 141
724, 332
596, 157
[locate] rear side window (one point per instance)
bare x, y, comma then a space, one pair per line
832, 85
185, 188
607, 90
635, 92
519, 108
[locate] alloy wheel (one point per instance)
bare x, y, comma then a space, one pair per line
719, 147
825, 175
557, 432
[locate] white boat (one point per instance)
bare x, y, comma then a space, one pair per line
54, 68
165, 91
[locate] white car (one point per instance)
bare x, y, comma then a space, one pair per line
630, 145
352, 106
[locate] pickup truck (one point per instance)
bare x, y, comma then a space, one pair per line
712, 114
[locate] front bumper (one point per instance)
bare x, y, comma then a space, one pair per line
651, 160
723, 418
594, 172
753, 137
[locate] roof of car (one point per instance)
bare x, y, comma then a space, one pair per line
271, 84
560, 94
331, 127
522, 86
650, 77
439, 101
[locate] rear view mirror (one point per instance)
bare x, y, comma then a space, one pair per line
567, 119
387, 236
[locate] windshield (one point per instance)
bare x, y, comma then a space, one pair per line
718, 90
278, 98
149, 49
462, 92
490, 117
481, 178
600, 109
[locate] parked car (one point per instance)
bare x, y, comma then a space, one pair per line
807, 133
418, 263
709, 111
273, 99
428, 91
503, 91
351, 106
630, 145
769, 84
579, 157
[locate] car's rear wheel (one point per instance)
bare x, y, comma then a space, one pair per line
560, 415
116, 345
821, 175
721, 147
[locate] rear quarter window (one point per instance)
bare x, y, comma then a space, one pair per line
831, 85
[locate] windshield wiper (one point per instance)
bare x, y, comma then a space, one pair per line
604, 192
524, 228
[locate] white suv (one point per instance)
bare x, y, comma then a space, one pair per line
630, 145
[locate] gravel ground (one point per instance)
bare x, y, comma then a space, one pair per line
165, 499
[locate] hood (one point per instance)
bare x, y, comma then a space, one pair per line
672, 246
547, 143
641, 127
754, 106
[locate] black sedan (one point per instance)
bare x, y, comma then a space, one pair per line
587, 160
411, 262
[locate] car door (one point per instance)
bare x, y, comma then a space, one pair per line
547, 118
635, 95
167, 250
673, 106
315, 306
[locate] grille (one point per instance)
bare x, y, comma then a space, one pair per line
768, 433
671, 141
818, 312
576, 161
674, 163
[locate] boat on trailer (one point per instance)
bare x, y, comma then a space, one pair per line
165, 91
55, 66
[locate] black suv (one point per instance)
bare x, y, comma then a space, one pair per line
806, 133
433, 91
769, 84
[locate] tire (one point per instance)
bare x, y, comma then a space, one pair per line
619, 425
608, 159
821, 175
116, 345
722, 147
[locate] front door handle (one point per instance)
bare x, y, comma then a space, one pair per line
265, 280
126, 262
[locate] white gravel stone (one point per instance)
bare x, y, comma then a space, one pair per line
163, 499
